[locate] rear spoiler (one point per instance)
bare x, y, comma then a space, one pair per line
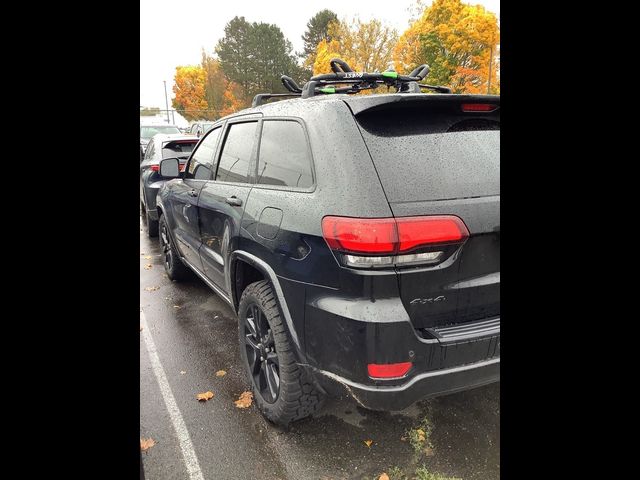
359, 105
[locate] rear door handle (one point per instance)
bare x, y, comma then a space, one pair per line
192, 193
234, 201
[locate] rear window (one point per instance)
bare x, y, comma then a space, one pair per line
420, 156
175, 149
236, 153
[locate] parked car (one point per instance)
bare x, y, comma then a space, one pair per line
200, 128
160, 146
357, 238
148, 131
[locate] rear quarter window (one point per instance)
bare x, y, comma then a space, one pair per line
284, 158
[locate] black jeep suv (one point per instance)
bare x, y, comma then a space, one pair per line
356, 237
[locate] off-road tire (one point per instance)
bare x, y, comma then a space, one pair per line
176, 270
298, 397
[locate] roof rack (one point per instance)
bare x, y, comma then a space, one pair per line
353, 82
261, 97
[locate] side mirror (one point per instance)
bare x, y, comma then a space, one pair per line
170, 168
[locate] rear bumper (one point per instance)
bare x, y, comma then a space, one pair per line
343, 334
427, 384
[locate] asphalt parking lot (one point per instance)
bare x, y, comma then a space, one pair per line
188, 334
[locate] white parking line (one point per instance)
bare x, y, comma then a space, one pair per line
189, 454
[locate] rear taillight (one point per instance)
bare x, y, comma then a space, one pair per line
361, 235
388, 370
156, 168
383, 242
479, 107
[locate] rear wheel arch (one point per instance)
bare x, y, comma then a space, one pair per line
268, 274
243, 274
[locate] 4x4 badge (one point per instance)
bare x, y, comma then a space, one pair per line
422, 301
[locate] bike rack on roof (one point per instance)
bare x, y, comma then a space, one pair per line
355, 82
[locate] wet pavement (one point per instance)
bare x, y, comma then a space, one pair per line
194, 332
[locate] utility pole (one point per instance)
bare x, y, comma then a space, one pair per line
166, 101
490, 64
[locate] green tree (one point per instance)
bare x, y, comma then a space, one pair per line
317, 30
233, 51
255, 55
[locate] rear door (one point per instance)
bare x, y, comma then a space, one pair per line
442, 158
223, 199
184, 198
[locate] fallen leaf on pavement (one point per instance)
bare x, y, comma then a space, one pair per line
148, 266
146, 443
368, 443
147, 257
220, 373
152, 289
384, 476
245, 400
203, 397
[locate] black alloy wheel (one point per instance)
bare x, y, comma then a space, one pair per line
261, 354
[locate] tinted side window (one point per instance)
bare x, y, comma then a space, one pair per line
236, 153
150, 149
284, 155
201, 164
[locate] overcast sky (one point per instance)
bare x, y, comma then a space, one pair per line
173, 32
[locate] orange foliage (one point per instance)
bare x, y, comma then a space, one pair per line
457, 41
233, 100
189, 90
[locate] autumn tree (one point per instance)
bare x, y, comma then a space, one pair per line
254, 56
317, 30
215, 86
233, 99
189, 90
365, 46
458, 41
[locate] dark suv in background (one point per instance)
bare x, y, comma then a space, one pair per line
356, 238
160, 146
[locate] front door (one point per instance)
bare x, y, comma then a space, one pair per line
222, 201
184, 198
